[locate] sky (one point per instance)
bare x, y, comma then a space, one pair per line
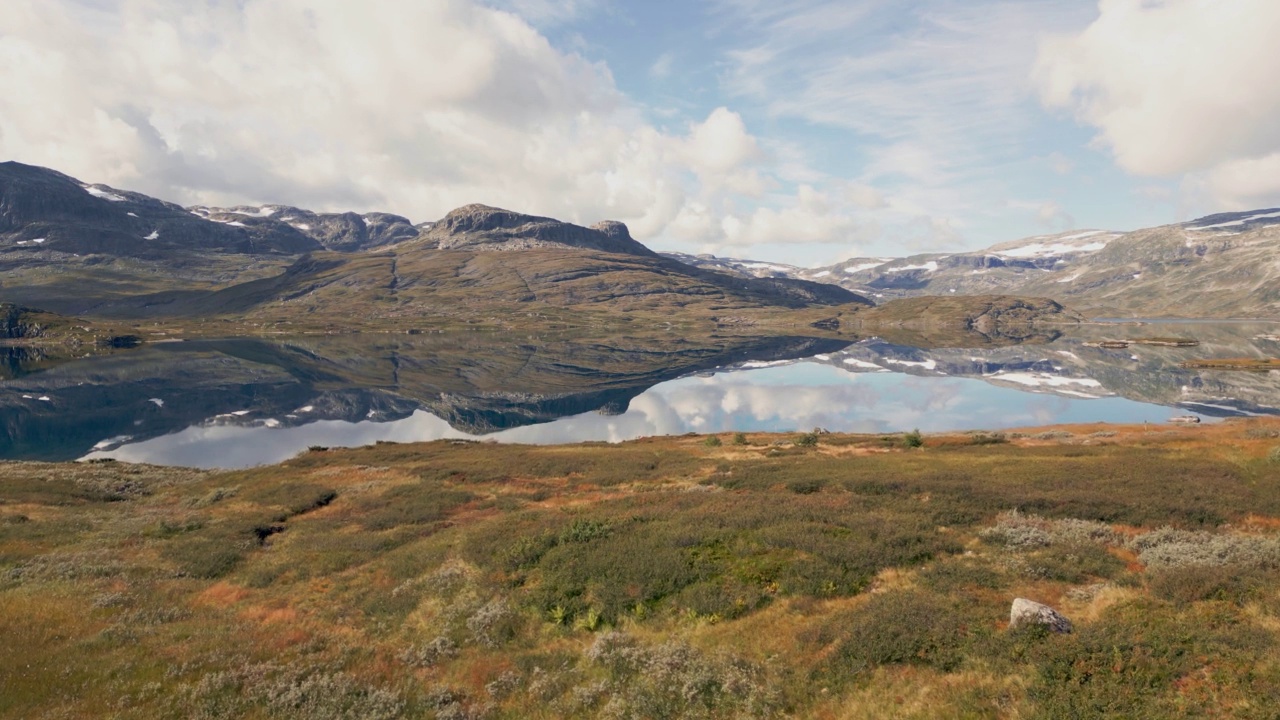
806, 132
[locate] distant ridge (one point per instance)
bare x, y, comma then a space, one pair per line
1220, 266
94, 250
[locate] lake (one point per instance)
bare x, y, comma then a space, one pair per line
243, 402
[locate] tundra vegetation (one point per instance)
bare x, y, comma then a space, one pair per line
849, 577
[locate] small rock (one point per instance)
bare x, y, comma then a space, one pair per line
1029, 612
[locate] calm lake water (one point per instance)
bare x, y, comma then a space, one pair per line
240, 403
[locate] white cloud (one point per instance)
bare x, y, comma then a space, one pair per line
410, 106
326, 103
932, 98
1177, 86
545, 13
1247, 183
721, 144
865, 196
809, 217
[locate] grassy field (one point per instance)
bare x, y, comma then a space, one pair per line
730, 576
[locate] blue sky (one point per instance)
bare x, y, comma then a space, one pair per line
806, 132
843, 89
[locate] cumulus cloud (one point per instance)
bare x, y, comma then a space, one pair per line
934, 96
1177, 86
811, 217
411, 106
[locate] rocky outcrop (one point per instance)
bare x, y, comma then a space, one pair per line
1028, 613
480, 227
17, 323
340, 232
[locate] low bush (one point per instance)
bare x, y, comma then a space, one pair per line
953, 574
985, 438
1194, 583
206, 557
415, 504
675, 680
805, 487
1171, 548
903, 627
1138, 659
1068, 562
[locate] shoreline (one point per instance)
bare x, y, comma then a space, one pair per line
1090, 433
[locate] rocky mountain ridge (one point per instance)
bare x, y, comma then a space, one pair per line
1225, 265
96, 251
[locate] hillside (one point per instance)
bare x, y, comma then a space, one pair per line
92, 250
1221, 266
753, 576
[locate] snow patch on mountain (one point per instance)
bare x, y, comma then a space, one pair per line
103, 194
931, 266
1237, 223
866, 266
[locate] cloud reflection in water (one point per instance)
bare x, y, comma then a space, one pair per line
795, 397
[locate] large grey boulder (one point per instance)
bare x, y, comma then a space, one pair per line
1028, 612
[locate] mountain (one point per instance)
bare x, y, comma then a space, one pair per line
340, 232
96, 251
45, 211
484, 228
1219, 266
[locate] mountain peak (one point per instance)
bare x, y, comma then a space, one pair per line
481, 227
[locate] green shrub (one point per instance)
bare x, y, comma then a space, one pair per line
1227, 583
950, 575
805, 487
1262, 433
584, 531
1133, 660
416, 504
712, 441
725, 600
912, 439
205, 557
984, 438
295, 497
1070, 562
903, 627
807, 440
739, 438
212, 497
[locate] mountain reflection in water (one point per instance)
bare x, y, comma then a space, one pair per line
244, 402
